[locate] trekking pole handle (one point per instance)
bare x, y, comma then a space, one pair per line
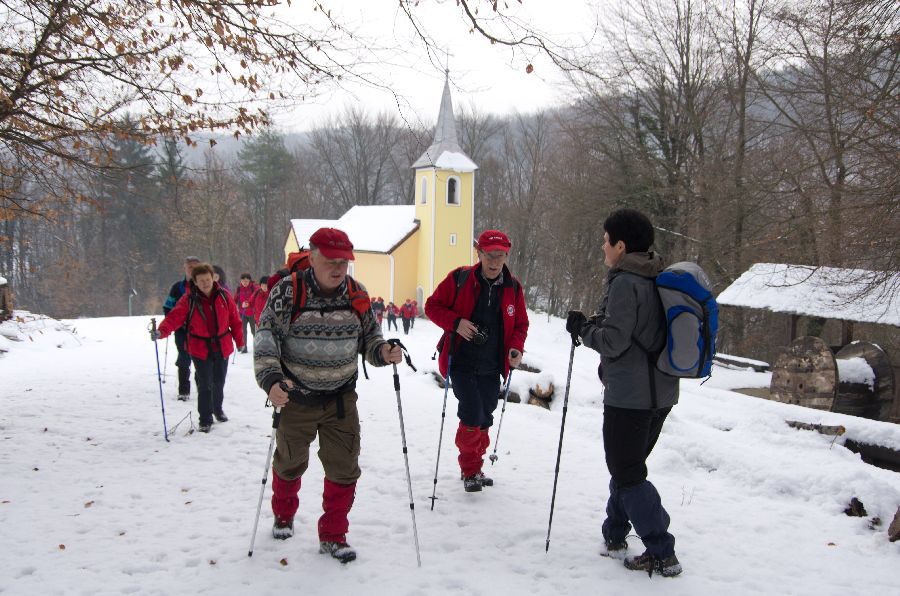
276, 418
396, 342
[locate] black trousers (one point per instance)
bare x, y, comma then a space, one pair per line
478, 396
628, 438
183, 362
248, 320
210, 377
392, 321
405, 326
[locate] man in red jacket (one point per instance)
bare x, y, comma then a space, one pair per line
482, 312
212, 321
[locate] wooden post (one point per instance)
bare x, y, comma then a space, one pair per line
846, 333
795, 323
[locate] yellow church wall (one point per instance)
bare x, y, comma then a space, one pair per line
290, 245
374, 271
405, 270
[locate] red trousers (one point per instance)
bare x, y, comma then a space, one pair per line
337, 499
472, 442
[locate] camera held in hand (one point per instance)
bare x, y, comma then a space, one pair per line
480, 336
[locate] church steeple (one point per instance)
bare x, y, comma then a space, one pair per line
445, 151
445, 203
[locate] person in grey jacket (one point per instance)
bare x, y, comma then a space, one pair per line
629, 331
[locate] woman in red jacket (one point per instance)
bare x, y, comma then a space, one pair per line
260, 297
482, 312
212, 322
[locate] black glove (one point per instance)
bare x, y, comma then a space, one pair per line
575, 322
154, 334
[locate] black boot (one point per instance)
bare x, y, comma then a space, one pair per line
472, 484
341, 551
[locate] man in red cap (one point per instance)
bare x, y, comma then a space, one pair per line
314, 324
482, 312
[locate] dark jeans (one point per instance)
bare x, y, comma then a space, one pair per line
477, 395
210, 377
405, 326
628, 438
392, 321
183, 362
245, 320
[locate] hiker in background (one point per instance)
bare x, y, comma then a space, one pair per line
183, 362
219, 278
378, 309
308, 343
628, 331
212, 322
260, 297
482, 312
406, 313
244, 299
415, 314
392, 313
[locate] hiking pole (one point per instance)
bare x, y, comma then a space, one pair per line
562, 428
162, 403
276, 418
412, 505
494, 457
437, 462
165, 360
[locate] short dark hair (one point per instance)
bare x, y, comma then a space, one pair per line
221, 273
264, 280
200, 269
631, 227
246, 276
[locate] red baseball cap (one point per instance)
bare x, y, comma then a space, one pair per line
332, 243
493, 240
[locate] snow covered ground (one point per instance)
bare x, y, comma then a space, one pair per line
93, 501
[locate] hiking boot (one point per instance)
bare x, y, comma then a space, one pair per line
341, 551
667, 567
221, 417
472, 483
244, 351
184, 396
283, 529
204, 428
613, 546
485, 481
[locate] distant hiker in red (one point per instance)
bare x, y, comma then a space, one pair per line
392, 313
415, 310
243, 296
260, 297
212, 322
312, 330
219, 278
482, 312
407, 314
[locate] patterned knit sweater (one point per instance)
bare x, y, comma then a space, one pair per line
321, 346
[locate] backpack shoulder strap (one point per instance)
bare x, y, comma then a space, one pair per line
460, 276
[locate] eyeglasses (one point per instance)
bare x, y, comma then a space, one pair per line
495, 256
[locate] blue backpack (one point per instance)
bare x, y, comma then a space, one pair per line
692, 321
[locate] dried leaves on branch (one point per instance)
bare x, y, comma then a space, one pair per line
70, 68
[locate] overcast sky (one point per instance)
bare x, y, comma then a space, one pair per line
489, 76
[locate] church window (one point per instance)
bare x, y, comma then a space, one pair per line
452, 239
453, 191
424, 198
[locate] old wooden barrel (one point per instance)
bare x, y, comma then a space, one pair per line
865, 381
805, 374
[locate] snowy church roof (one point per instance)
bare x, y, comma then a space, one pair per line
845, 294
445, 151
373, 228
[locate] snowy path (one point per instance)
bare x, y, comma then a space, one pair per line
756, 507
